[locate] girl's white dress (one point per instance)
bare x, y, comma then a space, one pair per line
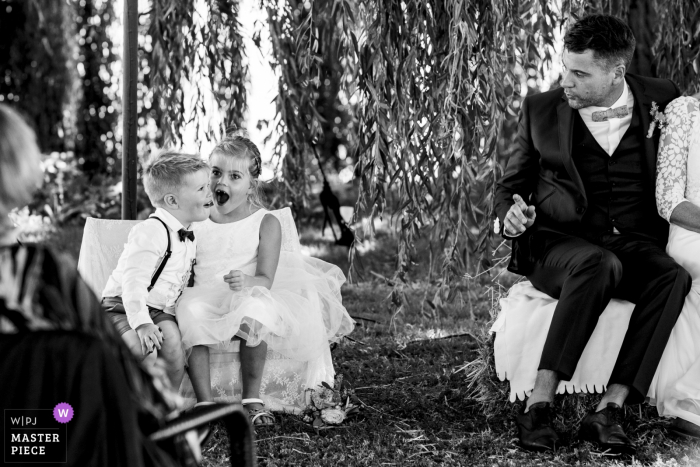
675, 389
298, 317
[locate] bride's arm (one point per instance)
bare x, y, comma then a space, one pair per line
672, 168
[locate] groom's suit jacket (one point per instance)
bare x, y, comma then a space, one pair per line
542, 171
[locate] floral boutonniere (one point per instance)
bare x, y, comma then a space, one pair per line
658, 119
497, 225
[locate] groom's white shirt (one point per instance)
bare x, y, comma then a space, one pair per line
610, 132
141, 256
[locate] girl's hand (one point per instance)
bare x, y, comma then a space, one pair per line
236, 280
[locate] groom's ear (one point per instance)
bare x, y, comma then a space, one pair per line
619, 71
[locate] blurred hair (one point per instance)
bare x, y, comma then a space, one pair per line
165, 172
610, 39
237, 145
20, 161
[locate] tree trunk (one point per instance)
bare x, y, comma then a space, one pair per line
641, 19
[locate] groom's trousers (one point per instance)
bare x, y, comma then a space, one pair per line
584, 275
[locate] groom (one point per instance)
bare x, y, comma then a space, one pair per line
577, 198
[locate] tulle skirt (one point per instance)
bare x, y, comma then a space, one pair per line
675, 389
297, 318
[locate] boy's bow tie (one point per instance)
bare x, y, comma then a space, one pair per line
185, 234
604, 115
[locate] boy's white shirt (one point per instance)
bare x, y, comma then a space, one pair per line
142, 253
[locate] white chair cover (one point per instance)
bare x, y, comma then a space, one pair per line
102, 245
104, 241
521, 330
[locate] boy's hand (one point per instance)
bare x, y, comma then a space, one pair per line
151, 337
236, 280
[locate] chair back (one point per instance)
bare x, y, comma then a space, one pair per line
104, 241
102, 245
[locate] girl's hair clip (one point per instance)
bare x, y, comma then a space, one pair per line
234, 132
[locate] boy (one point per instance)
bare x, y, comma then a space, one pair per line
156, 265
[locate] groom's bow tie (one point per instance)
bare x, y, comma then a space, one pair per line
604, 115
185, 234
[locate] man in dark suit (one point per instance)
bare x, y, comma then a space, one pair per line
577, 198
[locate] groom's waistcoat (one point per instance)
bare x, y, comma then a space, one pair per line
615, 184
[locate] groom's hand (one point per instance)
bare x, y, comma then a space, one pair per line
519, 217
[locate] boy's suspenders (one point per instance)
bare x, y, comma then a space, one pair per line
164, 261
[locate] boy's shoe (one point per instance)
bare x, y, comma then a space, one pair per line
603, 429
535, 431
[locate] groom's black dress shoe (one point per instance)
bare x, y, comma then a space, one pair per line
685, 429
535, 428
603, 428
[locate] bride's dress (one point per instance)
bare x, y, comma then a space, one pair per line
675, 389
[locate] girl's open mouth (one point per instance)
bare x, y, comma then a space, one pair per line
209, 204
221, 197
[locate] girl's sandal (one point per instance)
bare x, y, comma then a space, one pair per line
261, 414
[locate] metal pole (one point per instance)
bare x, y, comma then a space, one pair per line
129, 157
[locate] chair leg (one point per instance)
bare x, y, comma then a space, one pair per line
240, 436
235, 418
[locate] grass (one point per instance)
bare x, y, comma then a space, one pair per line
408, 370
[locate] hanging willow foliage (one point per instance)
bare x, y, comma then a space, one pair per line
432, 79
437, 80
195, 42
38, 71
677, 45
313, 52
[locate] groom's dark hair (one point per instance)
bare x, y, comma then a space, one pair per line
610, 39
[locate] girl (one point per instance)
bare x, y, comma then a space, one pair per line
282, 309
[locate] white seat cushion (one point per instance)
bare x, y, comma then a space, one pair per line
521, 330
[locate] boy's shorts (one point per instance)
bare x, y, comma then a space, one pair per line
117, 313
